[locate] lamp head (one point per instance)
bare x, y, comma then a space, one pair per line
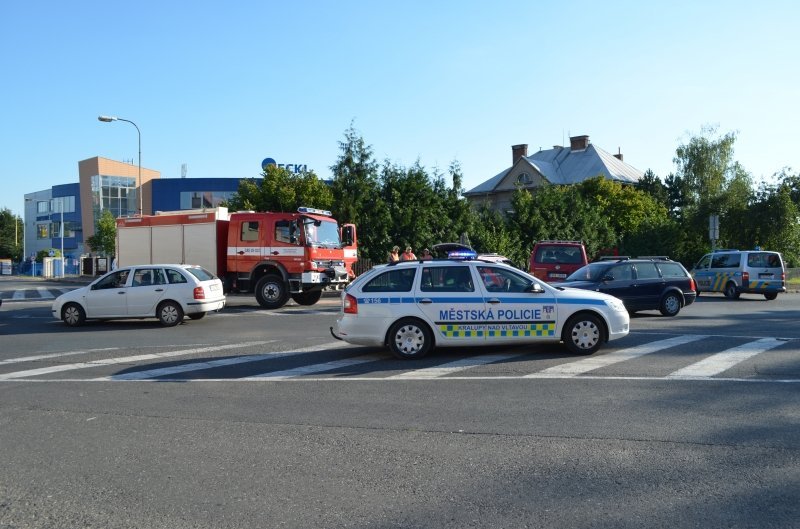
107, 119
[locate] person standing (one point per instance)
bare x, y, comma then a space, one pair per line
408, 255
394, 255
426, 255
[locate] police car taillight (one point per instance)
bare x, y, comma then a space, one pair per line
745, 277
198, 293
349, 304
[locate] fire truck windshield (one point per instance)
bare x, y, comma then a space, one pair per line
322, 233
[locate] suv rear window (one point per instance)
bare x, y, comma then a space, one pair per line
672, 270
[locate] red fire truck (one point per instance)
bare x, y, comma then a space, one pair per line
274, 255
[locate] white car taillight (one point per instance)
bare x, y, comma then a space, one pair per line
199, 293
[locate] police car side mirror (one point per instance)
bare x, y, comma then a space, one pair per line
607, 277
535, 288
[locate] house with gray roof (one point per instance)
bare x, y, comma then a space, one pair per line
559, 166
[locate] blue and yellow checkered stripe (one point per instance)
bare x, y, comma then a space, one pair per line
467, 331
718, 280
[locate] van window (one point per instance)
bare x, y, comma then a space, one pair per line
763, 260
726, 260
704, 262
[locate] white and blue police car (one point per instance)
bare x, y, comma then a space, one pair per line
414, 306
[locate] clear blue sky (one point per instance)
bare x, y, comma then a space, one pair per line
220, 86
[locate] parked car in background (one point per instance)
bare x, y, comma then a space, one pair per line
644, 283
555, 260
166, 292
735, 272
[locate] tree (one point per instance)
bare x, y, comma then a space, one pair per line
652, 185
12, 232
357, 196
104, 241
281, 190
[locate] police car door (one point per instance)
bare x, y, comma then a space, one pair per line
448, 298
515, 313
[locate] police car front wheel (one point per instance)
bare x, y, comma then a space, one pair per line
583, 334
410, 338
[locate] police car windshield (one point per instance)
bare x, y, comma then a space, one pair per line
590, 272
321, 233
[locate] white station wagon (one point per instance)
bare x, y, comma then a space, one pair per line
166, 292
413, 306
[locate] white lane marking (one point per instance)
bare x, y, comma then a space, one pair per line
18, 294
572, 369
454, 367
54, 355
197, 366
316, 368
45, 293
717, 363
123, 360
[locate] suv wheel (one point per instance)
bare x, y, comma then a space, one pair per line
410, 338
670, 304
771, 295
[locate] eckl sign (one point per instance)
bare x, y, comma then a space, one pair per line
291, 167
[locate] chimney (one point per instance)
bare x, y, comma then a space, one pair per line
518, 151
618, 156
578, 143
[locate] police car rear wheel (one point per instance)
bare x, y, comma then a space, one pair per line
771, 295
583, 334
410, 338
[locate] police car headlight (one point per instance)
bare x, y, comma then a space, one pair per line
615, 304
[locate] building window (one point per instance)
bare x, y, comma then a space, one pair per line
67, 203
42, 231
42, 206
203, 199
524, 179
116, 194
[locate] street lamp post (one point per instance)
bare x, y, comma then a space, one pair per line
63, 257
109, 119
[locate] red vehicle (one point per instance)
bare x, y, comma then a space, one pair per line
274, 255
555, 260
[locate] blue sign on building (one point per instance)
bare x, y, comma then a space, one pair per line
291, 167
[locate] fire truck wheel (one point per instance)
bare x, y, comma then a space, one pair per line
307, 298
272, 292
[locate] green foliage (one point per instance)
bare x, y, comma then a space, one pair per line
104, 241
281, 190
391, 204
11, 235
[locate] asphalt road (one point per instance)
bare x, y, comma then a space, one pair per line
251, 418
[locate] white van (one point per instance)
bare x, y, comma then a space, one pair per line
735, 272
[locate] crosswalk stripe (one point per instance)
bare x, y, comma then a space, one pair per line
572, 369
197, 366
316, 368
45, 293
53, 355
123, 360
454, 367
18, 294
717, 363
